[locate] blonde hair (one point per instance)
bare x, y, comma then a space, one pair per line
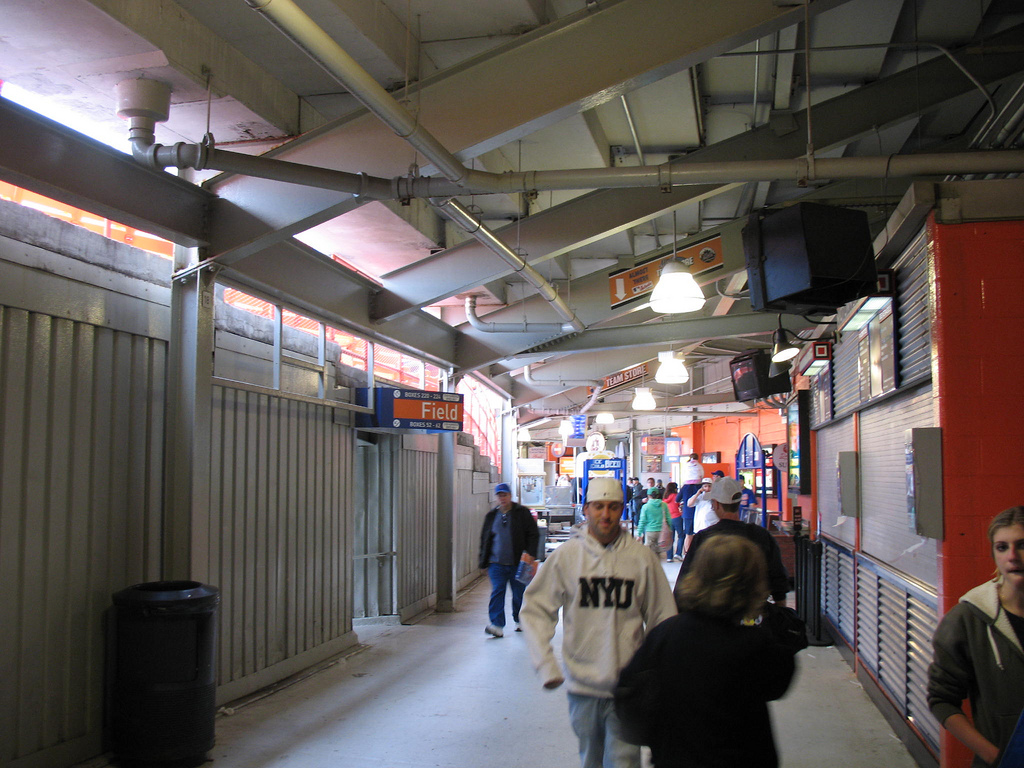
1006, 518
728, 579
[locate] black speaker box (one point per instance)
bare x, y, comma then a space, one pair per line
808, 258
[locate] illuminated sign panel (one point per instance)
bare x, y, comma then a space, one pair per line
413, 409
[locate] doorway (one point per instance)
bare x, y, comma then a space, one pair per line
373, 551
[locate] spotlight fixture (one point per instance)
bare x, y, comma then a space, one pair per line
677, 290
778, 369
643, 400
672, 370
782, 350
604, 417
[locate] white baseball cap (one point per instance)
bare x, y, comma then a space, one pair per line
726, 491
604, 489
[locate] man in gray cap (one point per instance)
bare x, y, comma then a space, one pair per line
509, 535
611, 591
725, 496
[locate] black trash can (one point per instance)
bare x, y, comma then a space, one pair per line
162, 672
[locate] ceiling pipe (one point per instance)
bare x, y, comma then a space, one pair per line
455, 211
528, 378
294, 24
594, 396
145, 102
303, 31
627, 412
523, 327
206, 157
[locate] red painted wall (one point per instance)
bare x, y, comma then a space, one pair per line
978, 380
724, 435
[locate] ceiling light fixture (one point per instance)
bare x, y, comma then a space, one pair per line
782, 350
677, 290
565, 428
604, 417
778, 369
643, 400
523, 435
672, 370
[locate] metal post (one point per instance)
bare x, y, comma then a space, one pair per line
446, 504
187, 447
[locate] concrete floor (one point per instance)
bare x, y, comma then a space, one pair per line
442, 693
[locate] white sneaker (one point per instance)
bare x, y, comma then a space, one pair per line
519, 627
490, 629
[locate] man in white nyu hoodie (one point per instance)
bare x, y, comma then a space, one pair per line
612, 591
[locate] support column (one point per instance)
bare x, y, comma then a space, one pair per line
446, 523
977, 366
187, 446
446, 505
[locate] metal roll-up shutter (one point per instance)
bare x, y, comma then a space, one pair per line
867, 618
838, 598
913, 311
821, 398
922, 621
896, 620
846, 375
885, 531
832, 439
892, 639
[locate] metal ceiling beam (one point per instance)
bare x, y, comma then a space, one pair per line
590, 297
671, 332
43, 156
599, 55
327, 290
593, 216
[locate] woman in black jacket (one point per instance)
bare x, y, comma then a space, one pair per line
713, 665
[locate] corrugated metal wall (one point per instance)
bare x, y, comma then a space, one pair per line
913, 308
896, 622
472, 474
81, 447
881, 598
279, 535
414, 495
838, 589
885, 529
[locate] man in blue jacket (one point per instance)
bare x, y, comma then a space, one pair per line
509, 535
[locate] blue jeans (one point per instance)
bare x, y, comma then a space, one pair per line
500, 576
677, 528
597, 728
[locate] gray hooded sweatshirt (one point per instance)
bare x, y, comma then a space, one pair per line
978, 657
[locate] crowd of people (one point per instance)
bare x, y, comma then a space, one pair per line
635, 650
